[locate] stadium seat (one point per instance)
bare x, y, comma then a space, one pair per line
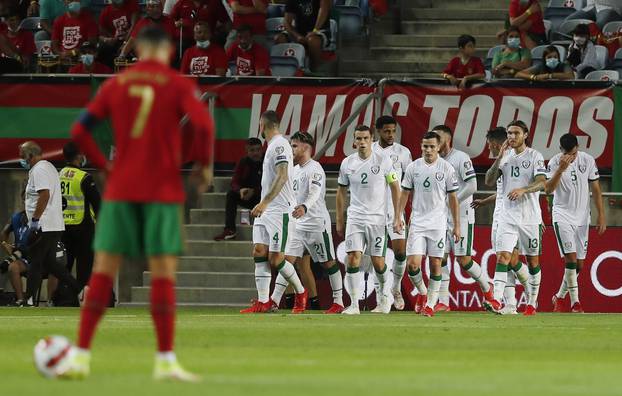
563, 33
558, 11
275, 11
31, 23
274, 26
601, 55
536, 53
547, 28
286, 59
334, 30
612, 27
44, 48
617, 61
350, 20
488, 75
603, 75
491, 55
575, 4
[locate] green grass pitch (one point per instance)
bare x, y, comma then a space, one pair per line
320, 355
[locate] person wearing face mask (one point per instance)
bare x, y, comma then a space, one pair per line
250, 58
582, 52
526, 15
513, 58
205, 58
153, 16
551, 69
88, 63
72, 29
186, 13
22, 40
115, 24
81, 202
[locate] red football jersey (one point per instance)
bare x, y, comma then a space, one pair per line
537, 20
98, 68
118, 20
204, 61
145, 104
256, 20
457, 69
71, 32
248, 61
165, 22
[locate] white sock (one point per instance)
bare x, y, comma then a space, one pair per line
381, 277
399, 267
475, 271
352, 284
289, 272
522, 274
563, 288
443, 294
263, 276
501, 279
166, 356
433, 291
417, 281
509, 293
279, 288
336, 284
570, 278
534, 286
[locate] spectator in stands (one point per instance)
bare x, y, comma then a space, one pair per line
88, 61
248, 13
582, 52
49, 11
526, 15
600, 11
513, 58
307, 22
10, 62
465, 67
153, 16
245, 186
551, 69
205, 58
72, 29
16, 264
115, 24
250, 58
23, 41
186, 13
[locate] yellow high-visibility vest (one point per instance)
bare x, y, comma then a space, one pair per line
71, 189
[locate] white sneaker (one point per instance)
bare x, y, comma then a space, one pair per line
398, 300
172, 371
353, 309
384, 305
378, 309
77, 365
508, 310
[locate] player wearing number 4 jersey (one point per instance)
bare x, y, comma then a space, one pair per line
313, 226
432, 182
141, 213
367, 174
571, 173
520, 219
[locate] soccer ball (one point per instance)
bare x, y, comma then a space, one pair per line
51, 355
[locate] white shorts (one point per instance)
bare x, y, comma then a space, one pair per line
493, 235
394, 236
465, 246
527, 236
429, 243
273, 229
370, 239
318, 244
571, 239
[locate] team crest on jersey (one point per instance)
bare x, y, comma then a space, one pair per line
582, 168
280, 149
394, 158
375, 169
468, 165
568, 245
526, 164
440, 176
317, 176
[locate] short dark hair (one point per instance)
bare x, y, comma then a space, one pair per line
512, 29
303, 137
384, 120
464, 39
443, 128
71, 151
432, 135
271, 119
549, 50
362, 128
153, 35
253, 142
568, 142
244, 28
520, 124
498, 134
582, 30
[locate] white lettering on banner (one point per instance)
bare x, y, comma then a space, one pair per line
290, 119
440, 105
473, 122
402, 102
516, 108
594, 273
554, 120
321, 126
256, 110
348, 141
592, 109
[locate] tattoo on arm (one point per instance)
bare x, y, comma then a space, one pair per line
536, 185
493, 173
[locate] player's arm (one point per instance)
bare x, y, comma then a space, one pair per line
341, 207
91, 193
454, 207
81, 133
536, 186
275, 189
315, 191
494, 172
597, 195
469, 189
4, 237
203, 124
405, 195
478, 203
564, 161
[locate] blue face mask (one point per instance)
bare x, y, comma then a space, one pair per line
24, 164
74, 7
552, 63
514, 42
87, 59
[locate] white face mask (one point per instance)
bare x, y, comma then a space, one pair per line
580, 40
203, 44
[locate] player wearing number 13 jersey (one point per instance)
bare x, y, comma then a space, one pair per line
141, 213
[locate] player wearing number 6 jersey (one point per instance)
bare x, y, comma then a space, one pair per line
571, 173
367, 174
142, 214
520, 219
432, 182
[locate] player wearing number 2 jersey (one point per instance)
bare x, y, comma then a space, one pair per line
141, 213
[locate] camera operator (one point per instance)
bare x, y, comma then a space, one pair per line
15, 263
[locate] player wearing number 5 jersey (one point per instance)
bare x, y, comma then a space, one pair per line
367, 174
520, 219
141, 212
571, 173
432, 182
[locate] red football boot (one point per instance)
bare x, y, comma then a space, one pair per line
427, 311
440, 307
334, 309
257, 307
577, 308
559, 304
530, 310
300, 302
420, 302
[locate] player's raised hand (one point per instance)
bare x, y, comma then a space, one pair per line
299, 211
504, 147
258, 209
565, 160
516, 194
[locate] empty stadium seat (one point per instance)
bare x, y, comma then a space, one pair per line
274, 26
536, 53
275, 11
603, 75
558, 11
564, 31
547, 28
491, 55
601, 55
286, 59
612, 27
575, 4
31, 23
334, 30
350, 20
617, 61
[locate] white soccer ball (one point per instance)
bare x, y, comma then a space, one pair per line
51, 355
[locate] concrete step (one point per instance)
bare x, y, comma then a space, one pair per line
427, 40
202, 295
456, 4
223, 248
216, 263
472, 14
235, 280
394, 66
207, 232
418, 54
456, 28
217, 216
218, 200
222, 184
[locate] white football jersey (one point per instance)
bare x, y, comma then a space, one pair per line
400, 158
368, 181
278, 151
520, 170
461, 162
571, 199
310, 178
430, 184
498, 200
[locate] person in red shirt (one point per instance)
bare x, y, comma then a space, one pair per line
465, 67
72, 29
115, 24
9, 62
154, 17
526, 15
22, 40
145, 192
205, 58
251, 13
250, 58
186, 13
88, 62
